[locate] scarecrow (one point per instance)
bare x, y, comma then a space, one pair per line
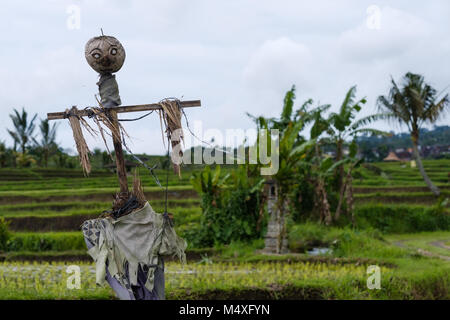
129, 241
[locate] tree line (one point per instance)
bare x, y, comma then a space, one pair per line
34, 144
376, 148
28, 148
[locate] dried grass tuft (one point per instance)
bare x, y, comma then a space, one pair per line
171, 116
138, 190
82, 147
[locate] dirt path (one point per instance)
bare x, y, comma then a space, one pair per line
439, 244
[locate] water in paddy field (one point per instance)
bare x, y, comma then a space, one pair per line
319, 251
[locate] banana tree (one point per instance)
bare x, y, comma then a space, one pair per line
291, 154
209, 182
292, 148
346, 190
321, 168
343, 127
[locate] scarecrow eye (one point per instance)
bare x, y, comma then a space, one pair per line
113, 51
96, 55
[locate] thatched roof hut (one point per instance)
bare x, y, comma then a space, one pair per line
391, 157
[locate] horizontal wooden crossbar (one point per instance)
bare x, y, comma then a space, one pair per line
122, 109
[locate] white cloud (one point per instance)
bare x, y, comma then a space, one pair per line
272, 69
398, 32
276, 64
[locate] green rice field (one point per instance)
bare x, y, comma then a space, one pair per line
45, 208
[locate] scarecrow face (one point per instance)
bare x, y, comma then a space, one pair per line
104, 54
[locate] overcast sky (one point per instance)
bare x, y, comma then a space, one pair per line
236, 56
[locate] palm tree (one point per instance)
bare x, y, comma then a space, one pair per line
23, 130
3, 154
47, 144
414, 104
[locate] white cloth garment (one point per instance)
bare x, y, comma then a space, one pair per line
136, 239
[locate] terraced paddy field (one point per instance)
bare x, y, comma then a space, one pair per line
264, 279
45, 208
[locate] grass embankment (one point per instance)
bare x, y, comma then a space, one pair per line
402, 218
400, 197
41, 220
44, 194
57, 179
387, 174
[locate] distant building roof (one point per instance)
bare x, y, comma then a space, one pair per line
391, 157
398, 155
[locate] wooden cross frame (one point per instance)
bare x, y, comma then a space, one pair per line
113, 111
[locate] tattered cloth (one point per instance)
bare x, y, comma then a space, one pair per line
138, 239
109, 90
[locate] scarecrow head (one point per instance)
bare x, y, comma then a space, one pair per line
105, 54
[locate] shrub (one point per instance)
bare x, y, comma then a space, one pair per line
302, 202
364, 244
342, 240
231, 207
37, 242
402, 218
4, 233
309, 231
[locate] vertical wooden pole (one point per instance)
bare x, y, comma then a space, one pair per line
120, 161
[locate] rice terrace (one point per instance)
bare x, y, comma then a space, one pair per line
331, 198
399, 232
